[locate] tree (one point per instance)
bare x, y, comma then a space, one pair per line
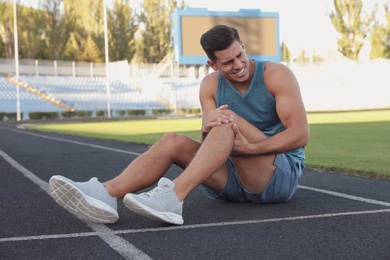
380, 38
302, 57
72, 49
93, 22
91, 52
286, 54
2, 48
156, 18
353, 26
73, 31
6, 25
316, 57
83, 25
55, 36
122, 28
31, 27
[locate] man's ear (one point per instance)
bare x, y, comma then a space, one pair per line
212, 65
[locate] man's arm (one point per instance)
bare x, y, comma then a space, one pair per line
283, 85
211, 115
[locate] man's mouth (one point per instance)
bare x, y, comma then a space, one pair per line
240, 71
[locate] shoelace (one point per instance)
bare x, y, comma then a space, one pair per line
158, 190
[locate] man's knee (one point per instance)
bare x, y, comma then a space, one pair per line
170, 139
223, 129
176, 141
172, 136
169, 136
181, 148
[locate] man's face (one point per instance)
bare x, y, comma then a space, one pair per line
233, 63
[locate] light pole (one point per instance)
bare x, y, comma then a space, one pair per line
16, 58
106, 57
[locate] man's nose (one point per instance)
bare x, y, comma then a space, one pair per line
237, 64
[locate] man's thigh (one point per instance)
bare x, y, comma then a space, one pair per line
249, 131
254, 172
280, 188
283, 183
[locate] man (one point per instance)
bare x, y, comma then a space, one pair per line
254, 130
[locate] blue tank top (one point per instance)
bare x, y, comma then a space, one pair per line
256, 105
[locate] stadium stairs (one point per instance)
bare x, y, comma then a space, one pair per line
44, 96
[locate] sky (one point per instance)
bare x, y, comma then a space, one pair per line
303, 24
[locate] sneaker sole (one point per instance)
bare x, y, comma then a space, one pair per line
74, 200
169, 217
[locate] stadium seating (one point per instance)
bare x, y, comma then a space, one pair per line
185, 91
28, 102
42, 93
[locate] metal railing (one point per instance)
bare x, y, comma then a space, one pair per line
92, 69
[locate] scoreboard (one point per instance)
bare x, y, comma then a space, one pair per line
259, 31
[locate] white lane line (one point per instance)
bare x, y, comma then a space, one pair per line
122, 246
185, 227
246, 222
346, 196
41, 183
76, 142
43, 237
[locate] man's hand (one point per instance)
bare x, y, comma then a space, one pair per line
241, 146
215, 118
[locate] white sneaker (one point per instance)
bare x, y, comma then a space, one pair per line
89, 199
161, 203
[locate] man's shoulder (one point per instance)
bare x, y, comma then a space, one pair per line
274, 70
209, 85
274, 66
211, 78
278, 76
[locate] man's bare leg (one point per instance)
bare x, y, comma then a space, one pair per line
149, 167
98, 202
208, 163
254, 172
208, 166
165, 202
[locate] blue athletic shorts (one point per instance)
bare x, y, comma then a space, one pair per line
281, 187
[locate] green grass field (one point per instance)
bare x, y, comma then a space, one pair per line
348, 142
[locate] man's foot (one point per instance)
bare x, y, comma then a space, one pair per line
161, 203
89, 199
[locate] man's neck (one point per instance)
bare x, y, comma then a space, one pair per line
242, 87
